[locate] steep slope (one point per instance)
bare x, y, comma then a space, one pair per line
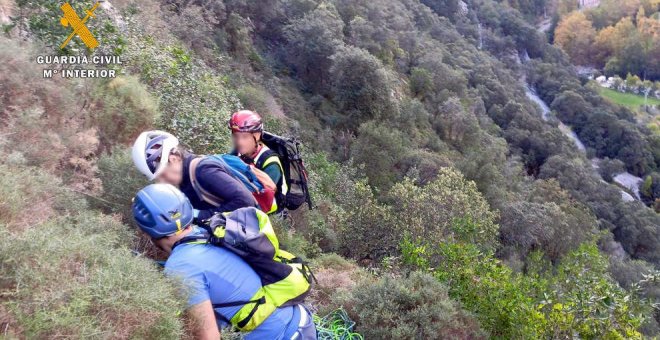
426, 155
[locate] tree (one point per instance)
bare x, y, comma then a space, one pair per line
455, 125
448, 208
238, 35
380, 149
549, 220
446, 8
361, 87
575, 35
571, 108
604, 46
312, 40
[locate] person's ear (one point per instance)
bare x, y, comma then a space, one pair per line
157, 243
173, 159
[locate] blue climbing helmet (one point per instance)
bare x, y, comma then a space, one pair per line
162, 210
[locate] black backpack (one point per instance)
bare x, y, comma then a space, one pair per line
295, 174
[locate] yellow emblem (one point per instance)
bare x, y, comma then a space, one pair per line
70, 18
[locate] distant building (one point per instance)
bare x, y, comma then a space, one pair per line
588, 3
463, 8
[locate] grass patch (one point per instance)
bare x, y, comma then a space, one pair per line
32, 198
70, 273
629, 100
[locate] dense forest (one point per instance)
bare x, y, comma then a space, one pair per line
448, 203
620, 37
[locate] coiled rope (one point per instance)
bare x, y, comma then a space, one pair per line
336, 326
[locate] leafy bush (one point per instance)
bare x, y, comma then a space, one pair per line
555, 227
428, 213
70, 273
500, 299
587, 302
416, 307
30, 196
311, 41
121, 181
361, 87
366, 230
380, 148
608, 168
194, 100
578, 297
126, 109
336, 277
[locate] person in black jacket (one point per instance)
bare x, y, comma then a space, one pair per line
158, 156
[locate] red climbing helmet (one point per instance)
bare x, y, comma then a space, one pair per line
246, 121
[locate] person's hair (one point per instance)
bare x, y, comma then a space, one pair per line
177, 151
180, 152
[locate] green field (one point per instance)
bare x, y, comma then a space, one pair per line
633, 102
629, 100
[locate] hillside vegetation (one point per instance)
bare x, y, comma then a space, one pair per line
446, 206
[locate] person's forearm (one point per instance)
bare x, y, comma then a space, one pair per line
205, 324
209, 334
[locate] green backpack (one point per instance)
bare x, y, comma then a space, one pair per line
285, 279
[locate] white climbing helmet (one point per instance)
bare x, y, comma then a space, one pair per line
151, 151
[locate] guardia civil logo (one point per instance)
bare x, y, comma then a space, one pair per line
77, 25
72, 64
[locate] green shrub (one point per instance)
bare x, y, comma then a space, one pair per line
586, 301
381, 149
293, 241
121, 181
608, 168
576, 298
194, 100
365, 229
257, 99
126, 109
31, 196
68, 271
430, 212
416, 307
500, 298
72, 277
322, 225
326, 177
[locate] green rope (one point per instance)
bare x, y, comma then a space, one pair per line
336, 326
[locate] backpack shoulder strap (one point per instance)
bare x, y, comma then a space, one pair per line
201, 192
264, 157
256, 302
191, 239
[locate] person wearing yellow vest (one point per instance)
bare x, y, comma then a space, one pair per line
247, 128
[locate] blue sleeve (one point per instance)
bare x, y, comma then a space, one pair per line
222, 185
193, 282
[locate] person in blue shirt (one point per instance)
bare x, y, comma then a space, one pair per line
209, 274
